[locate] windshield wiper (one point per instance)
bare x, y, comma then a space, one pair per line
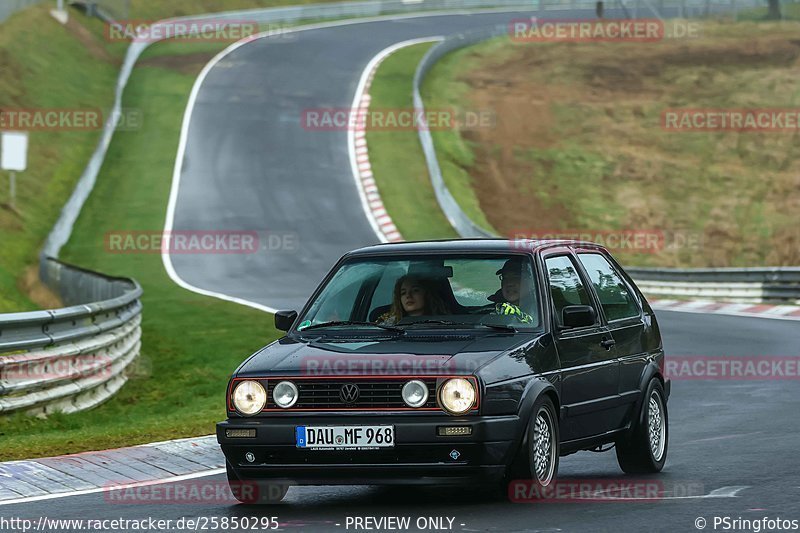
502, 327
433, 321
352, 323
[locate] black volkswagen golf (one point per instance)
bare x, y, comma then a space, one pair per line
463, 361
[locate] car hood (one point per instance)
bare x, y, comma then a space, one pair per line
440, 355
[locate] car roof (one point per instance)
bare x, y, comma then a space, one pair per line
469, 245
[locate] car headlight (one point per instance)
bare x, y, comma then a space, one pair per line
249, 397
415, 393
285, 394
457, 396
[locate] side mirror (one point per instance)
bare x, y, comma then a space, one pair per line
576, 316
285, 319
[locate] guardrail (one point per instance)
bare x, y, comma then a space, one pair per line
72, 358
9, 7
747, 285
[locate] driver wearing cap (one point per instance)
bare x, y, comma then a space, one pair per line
507, 298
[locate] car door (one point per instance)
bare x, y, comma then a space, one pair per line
590, 379
623, 314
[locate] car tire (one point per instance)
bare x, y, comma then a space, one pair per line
255, 492
541, 447
644, 449
544, 444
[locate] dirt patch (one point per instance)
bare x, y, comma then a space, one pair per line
92, 44
9, 85
37, 291
185, 64
578, 144
501, 177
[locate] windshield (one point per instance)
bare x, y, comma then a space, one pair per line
425, 291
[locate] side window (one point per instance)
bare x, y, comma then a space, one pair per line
614, 296
565, 285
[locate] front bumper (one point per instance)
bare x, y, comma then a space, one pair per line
420, 455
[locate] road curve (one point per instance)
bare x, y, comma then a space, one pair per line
250, 165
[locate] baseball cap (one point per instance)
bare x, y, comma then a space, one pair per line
513, 265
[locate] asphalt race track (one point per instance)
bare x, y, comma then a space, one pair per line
738, 436
249, 165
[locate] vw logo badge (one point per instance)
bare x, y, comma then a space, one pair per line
349, 393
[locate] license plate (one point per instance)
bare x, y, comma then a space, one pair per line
344, 437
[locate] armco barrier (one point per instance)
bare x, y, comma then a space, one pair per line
778, 284
9, 7
72, 358
747, 285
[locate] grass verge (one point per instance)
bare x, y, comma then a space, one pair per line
45, 66
454, 146
578, 143
396, 157
191, 343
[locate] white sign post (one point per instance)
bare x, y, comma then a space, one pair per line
14, 158
59, 13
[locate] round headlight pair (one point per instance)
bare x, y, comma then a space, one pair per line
249, 397
457, 396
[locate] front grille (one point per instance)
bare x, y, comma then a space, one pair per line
372, 394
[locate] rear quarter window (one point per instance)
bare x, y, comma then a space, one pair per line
614, 295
